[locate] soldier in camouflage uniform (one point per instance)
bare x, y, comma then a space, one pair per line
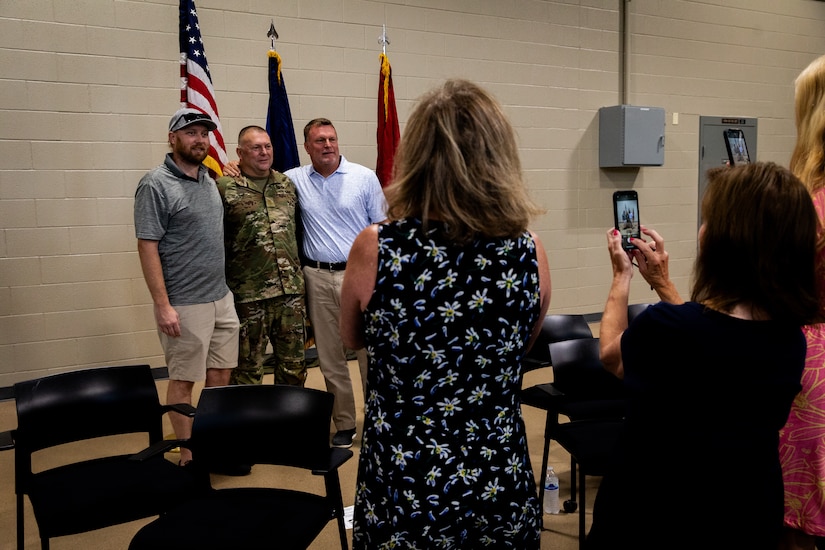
262, 265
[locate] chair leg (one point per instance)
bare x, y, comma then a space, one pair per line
582, 533
550, 423
342, 531
573, 469
21, 539
543, 479
332, 484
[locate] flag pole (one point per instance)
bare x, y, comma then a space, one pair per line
383, 40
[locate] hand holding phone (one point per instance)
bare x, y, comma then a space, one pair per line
626, 216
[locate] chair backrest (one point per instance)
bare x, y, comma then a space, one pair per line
555, 328
579, 373
634, 309
262, 424
86, 404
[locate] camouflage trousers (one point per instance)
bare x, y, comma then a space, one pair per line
279, 321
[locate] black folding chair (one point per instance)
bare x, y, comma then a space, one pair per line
555, 328
634, 309
276, 425
84, 494
594, 402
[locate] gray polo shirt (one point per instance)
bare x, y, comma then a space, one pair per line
185, 216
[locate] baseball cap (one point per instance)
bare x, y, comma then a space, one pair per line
186, 117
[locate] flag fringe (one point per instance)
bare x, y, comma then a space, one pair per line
273, 53
385, 72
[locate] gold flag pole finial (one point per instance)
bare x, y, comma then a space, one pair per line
272, 34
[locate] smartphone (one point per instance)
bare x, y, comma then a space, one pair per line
737, 148
626, 216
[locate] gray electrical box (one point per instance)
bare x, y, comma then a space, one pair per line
631, 136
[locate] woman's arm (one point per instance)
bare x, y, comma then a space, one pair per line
614, 317
545, 288
358, 285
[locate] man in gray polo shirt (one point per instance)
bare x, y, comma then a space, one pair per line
179, 227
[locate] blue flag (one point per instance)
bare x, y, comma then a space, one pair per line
279, 119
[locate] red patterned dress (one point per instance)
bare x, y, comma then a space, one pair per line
802, 440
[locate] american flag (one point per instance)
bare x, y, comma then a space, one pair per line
196, 83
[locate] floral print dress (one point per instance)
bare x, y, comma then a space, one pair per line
444, 462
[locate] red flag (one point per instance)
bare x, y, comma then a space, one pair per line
196, 83
388, 133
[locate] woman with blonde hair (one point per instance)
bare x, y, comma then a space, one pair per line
802, 440
447, 298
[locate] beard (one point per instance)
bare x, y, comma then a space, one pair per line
194, 154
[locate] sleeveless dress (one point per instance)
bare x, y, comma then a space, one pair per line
444, 461
802, 440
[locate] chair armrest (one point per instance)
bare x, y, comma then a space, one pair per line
182, 408
528, 364
550, 389
337, 457
7, 440
158, 448
543, 396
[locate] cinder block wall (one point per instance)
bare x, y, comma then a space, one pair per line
87, 88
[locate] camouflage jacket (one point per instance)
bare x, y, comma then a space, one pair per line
260, 236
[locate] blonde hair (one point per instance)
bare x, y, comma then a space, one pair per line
808, 158
458, 162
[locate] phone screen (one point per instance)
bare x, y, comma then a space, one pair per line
626, 216
737, 148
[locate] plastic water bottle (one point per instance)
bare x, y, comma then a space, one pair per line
551, 492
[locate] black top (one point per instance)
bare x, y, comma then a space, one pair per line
698, 463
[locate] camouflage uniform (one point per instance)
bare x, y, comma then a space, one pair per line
264, 273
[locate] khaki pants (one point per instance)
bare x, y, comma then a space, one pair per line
324, 306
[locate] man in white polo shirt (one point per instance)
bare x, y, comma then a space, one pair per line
338, 199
